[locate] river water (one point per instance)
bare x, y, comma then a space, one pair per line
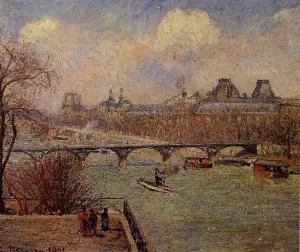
220, 209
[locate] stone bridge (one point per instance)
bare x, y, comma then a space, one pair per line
122, 152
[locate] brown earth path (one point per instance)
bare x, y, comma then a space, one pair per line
41, 232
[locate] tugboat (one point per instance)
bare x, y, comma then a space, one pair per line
198, 162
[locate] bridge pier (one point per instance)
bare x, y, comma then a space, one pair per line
166, 162
82, 155
122, 154
123, 163
166, 153
213, 152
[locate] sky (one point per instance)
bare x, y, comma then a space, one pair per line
147, 47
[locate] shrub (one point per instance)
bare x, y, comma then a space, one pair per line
56, 184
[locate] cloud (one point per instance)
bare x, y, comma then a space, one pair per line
287, 15
87, 61
185, 43
39, 30
272, 53
191, 29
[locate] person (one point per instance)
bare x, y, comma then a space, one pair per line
93, 219
104, 217
83, 222
158, 179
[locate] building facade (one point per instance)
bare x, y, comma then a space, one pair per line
226, 98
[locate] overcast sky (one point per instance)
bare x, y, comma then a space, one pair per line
148, 47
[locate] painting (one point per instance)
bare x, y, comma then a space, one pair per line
149, 125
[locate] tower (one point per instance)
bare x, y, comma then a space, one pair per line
121, 97
111, 102
184, 93
71, 100
111, 96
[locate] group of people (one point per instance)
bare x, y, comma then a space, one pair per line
88, 221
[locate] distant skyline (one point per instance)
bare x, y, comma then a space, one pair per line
148, 47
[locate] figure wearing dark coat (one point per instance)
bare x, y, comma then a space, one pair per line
158, 179
104, 217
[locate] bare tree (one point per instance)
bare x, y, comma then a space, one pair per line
285, 128
22, 71
57, 184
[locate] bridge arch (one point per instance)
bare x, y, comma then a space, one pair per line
123, 153
166, 151
51, 151
103, 158
231, 151
37, 155
146, 156
180, 154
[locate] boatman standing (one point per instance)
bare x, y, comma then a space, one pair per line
158, 179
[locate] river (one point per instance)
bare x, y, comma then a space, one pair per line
220, 209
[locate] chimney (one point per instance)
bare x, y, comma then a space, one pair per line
121, 94
184, 93
110, 96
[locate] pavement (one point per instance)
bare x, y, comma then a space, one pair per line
57, 233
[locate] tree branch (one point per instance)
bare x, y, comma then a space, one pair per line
10, 60
15, 132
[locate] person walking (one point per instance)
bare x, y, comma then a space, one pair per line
105, 218
83, 222
93, 219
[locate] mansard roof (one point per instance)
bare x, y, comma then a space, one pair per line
263, 90
225, 90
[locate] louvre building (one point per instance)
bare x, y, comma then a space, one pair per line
225, 97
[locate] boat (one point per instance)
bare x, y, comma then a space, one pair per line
232, 162
151, 186
198, 162
270, 168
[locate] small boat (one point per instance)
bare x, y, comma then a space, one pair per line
198, 162
151, 186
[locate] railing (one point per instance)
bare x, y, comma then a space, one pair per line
138, 235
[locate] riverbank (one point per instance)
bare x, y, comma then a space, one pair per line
42, 232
